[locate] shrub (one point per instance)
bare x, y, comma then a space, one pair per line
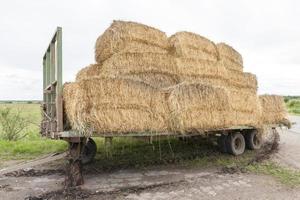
12, 124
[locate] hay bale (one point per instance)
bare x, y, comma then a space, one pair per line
246, 118
273, 109
198, 107
92, 70
74, 103
229, 57
186, 44
202, 71
155, 79
129, 37
242, 80
245, 106
243, 99
213, 81
113, 105
156, 69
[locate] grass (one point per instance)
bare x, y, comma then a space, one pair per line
132, 153
293, 106
284, 175
32, 113
29, 149
32, 145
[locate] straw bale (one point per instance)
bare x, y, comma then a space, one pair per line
187, 44
156, 69
243, 100
129, 37
90, 71
230, 58
242, 80
213, 81
245, 105
195, 70
199, 67
246, 118
273, 109
74, 104
114, 105
197, 107
155, 79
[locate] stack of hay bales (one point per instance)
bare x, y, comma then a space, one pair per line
144, 81
199, 60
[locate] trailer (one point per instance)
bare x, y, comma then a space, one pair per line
82, 149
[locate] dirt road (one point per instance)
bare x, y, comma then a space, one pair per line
289, 148
162, 182
154, 184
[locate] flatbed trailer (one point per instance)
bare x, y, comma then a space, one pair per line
82, 149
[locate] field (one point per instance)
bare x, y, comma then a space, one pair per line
293, 104
32, 145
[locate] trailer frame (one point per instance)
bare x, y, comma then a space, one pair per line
54, 125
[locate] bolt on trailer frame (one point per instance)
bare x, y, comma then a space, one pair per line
52, 106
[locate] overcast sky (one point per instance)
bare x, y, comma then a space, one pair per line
266, 33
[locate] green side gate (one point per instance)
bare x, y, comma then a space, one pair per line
52, 106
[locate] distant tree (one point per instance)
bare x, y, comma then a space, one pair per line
12, 124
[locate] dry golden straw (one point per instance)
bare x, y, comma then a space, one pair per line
274, 110
146, 82
198, 107
113, 105
230, 58
187, 44
129, 37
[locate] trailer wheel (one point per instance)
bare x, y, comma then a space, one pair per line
253, 140
89, 151
222, 143
235, 144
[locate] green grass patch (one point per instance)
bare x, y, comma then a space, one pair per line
31, 112
32, 145
293, 106
27, 149
132, 153
284, 175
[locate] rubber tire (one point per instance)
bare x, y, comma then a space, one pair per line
89, 152
231, 144
251, 139
222, 143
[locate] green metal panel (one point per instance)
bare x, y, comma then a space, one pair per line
48, 97
44, 79
59, 84
59, 59
52, 86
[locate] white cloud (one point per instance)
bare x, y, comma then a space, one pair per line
266, 33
